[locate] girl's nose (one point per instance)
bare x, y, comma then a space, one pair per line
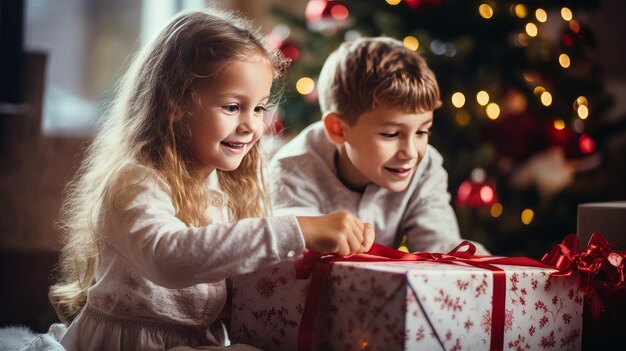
247, 123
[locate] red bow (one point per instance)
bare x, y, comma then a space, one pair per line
596, 264
305, 266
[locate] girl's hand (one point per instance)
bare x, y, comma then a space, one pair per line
338, 233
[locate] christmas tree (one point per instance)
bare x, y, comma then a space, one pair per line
523, 110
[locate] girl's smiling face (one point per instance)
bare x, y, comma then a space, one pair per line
227, 114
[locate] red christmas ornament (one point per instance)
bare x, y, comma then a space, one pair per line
289, 50
278, 39
476, 192
326, 15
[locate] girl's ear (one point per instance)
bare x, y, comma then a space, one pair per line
335, 127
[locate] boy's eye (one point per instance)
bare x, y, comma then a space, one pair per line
389, 135
231, 108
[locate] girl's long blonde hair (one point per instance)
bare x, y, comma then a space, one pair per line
146, 125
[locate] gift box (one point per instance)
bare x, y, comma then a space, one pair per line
608, 218
409, 305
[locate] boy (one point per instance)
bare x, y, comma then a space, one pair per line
370, 154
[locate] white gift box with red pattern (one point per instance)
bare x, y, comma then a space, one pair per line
411, 306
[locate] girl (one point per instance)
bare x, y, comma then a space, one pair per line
168, 201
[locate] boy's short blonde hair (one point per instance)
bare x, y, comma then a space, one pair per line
367, 72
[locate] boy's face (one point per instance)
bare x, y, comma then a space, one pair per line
384, 147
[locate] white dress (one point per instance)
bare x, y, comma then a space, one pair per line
161, 284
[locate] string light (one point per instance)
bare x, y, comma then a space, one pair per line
559, 124
393, 2
458, 99
485, 11
566, 13
531, 29
482, 97
546, 98
305, 85
541, 15
496, 210
411, 42
564, 60
493, 110
521, 11
582, 111
527, 216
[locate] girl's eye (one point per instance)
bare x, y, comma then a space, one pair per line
423, 132
389, 135
260, 109
231, 108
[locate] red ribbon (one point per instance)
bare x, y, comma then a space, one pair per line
596, 264
318, 268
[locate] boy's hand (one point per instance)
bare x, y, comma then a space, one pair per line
338, 233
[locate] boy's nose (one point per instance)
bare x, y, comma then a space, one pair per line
408, 150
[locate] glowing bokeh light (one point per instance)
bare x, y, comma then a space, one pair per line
586, 144
521, 11
493, 110
581, 100
458, 99
486, 193
546, 98
305, 85
582, 111
339, 12
559, 124
566, 13
564, 60
539, 90
531, 29
541, 15
496, 210
485, 11
411, 42
527, 216
482, 97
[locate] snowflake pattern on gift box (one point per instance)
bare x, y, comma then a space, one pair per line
519, 344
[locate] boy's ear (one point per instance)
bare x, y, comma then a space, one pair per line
334, 126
